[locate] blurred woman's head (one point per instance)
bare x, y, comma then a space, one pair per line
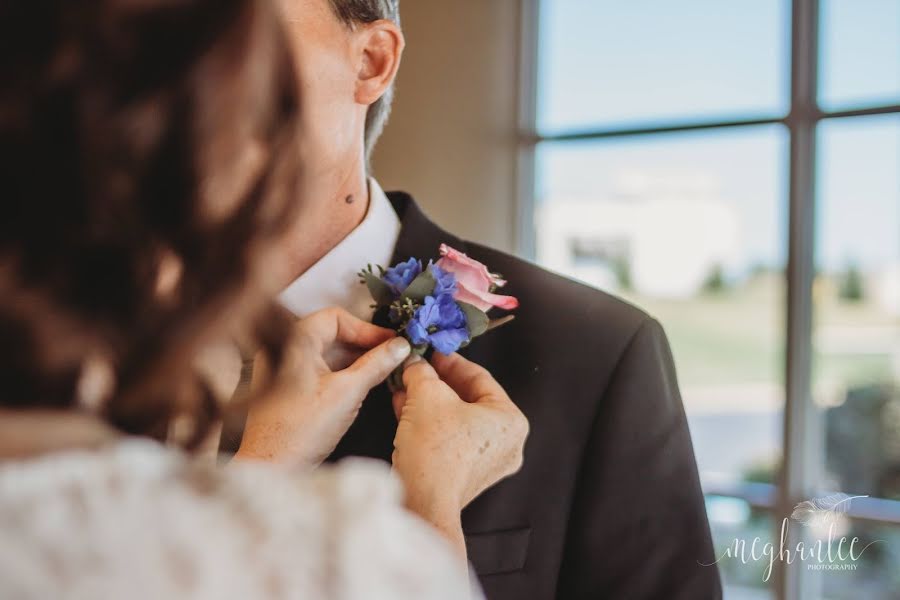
147, 165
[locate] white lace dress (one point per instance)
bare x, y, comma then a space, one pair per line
137, 521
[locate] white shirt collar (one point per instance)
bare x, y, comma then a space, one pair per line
333, 280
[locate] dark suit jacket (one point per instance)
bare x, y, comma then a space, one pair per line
608, 503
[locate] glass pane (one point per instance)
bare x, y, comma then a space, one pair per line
876, 573
857, 294
732, 519
691, 227
842, 559
613, 62
860, 53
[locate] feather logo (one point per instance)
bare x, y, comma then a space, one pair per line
827, 509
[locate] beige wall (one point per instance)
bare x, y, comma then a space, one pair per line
451, 141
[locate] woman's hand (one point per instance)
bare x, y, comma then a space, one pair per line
458, 434
318, 390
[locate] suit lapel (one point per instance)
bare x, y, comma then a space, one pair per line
372, 434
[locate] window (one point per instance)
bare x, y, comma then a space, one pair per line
607, 64
860, 58
734, 168
856, 334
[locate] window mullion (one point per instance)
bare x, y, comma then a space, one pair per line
802, 430
529, 24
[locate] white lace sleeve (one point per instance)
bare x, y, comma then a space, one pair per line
383, 550
137, 521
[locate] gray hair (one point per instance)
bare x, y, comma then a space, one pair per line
351, 13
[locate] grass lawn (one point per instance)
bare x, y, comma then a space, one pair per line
738, 336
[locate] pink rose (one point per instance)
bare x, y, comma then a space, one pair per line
474, 281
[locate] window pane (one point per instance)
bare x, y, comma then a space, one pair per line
733, 519
860, 53
690, 227
857, 294
610, 62
876, 575
740, 534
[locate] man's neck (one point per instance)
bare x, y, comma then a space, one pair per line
344, 211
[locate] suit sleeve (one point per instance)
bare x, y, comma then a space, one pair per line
638, 526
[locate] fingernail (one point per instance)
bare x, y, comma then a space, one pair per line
399, 348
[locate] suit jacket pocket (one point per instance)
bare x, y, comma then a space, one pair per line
498, 552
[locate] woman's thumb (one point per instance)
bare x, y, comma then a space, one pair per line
374, 366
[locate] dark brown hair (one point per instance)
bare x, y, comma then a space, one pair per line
355, 12
146, 163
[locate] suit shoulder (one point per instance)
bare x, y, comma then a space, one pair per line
571, 303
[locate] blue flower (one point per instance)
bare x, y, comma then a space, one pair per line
439, 322
400, 276
444, 282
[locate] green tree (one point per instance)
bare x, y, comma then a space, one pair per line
622, 269
715, 283
851, 287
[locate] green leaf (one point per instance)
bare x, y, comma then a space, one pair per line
495, 323
421, 286
476, 319
380, 291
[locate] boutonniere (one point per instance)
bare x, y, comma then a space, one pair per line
441, 305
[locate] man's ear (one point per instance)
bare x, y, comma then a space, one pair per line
380, 46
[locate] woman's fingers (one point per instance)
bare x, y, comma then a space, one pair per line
472, 382
374, 366
336, 325
398, 400
417, 371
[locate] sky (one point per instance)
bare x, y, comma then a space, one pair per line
625, 63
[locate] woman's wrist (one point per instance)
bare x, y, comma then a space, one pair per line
443, 512
448, 524
255, 448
